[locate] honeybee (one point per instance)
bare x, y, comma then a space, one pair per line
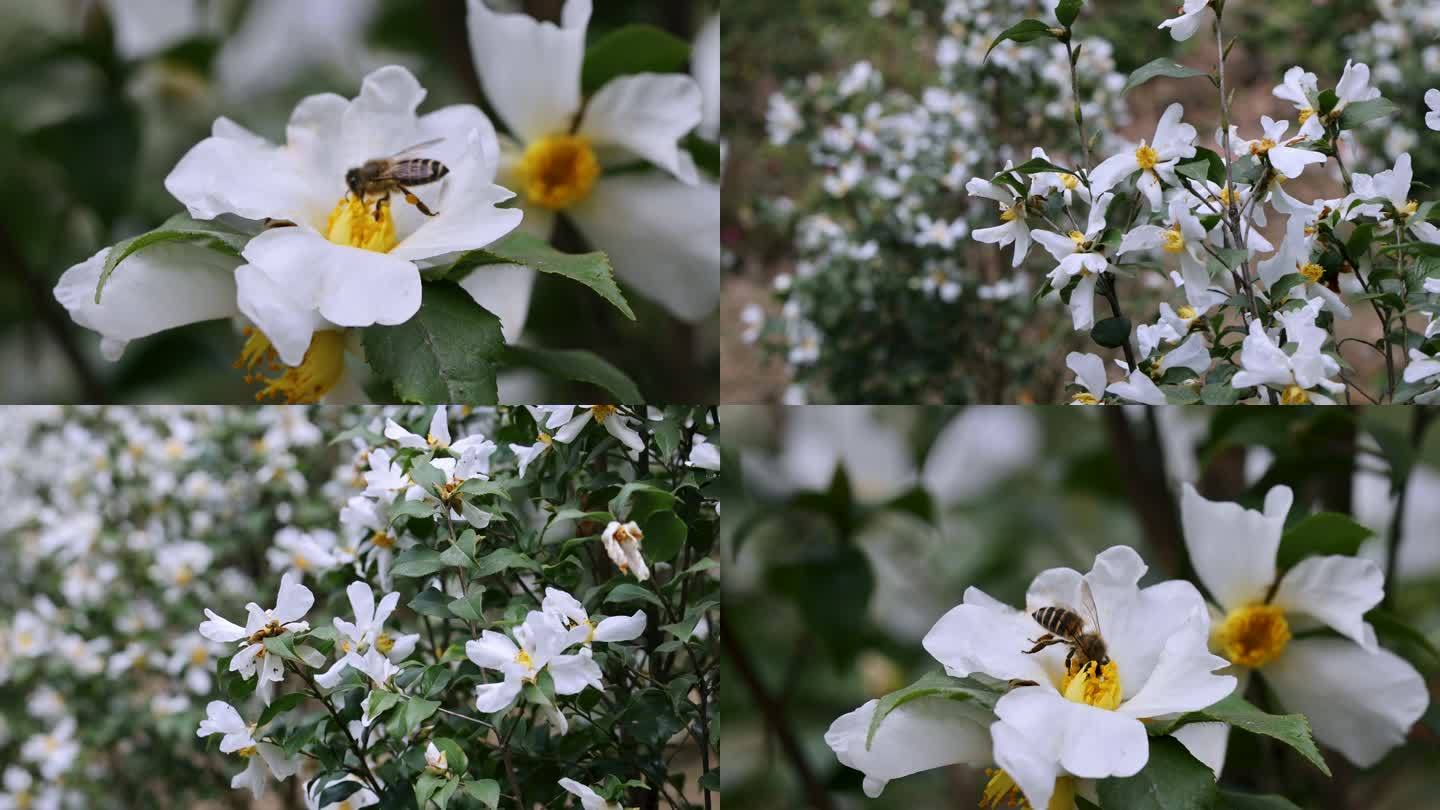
1068, 627
381, 176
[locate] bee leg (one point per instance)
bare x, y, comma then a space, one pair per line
380, 207
1043, 642
1069, 656
418, 203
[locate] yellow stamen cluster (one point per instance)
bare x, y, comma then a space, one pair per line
1094, 685
1071, 181
545, 438
1146, 157
354, 223
385, 643
246, 752
1295, 395
1261, 146
558, 171
1085, 398
199, 657
523, 659
603, 412
1229, 196
1254, 635
1079, 239
1305, 114
1001, 791
382, 540
1012, 213
1312, 272
1173, 240
1187, 313
318, 372
270, 630
1410, 208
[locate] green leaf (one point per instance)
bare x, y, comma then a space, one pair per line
1206, 165
1039, 166
485, 791
591, 269
1291, 729
1361, 112
426, 786
1067, 11
455, 759
639, 499
284, 646
382, 701
1160, 68
1396, 633
1321, 533
416, 562
932, 685
419, 508
630, 592
417, 710
179, 228
581, 366
1023, 31
665, 535
1111, 332
426, 474
468, 607
502, 560
448, 352
1234, 800
1172, 779
633, 49
431, 602
337, 792
279, 706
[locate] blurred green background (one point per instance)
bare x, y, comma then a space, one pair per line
92, 121
826, 620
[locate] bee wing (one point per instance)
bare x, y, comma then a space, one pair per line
416, 148
1088, 600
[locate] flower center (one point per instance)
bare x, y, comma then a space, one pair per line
1094, 685
523, 659
308, 382
1229, 197
1071, 181
1085, 398
603, 412
382, 540
1254, 635
355, 223
199, 657
1001, 791
1079, 239
1012, 213
385, 643
1146, 157
1305, 114
1312, 272
1261, 146
1173, 240
246, 752
1410, 208
558, 171
270, 630
546, 439
1187, 313
1295, 395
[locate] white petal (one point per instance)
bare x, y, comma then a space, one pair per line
348, 286
1111, 171
662, 237
1089, 371
468, 216
919, 735
530, 70
983, 635
1206, 742
1233, 548
1086, 741
453, 126
288, 324
247, 177
1082, 303
621, 628
492, 650
572, 673
362, 602
1138, 387
492, 697
220, 629
386, 607
158, 288
1182, 679
1144, 237
381, 120
281, 766
1361, 704
646, 115
1336, 590
1292, 162
705, 66
504, 290
293, 602
1033, 770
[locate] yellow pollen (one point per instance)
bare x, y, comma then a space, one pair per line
1146, 157
199, 657
1312, 272
184, 576
345, 646
1228, 197
523, 658
602, 412
546, 439
246, 752
301, 562
385, 643
558, 171
1071, 181
382, 540
318, 372
353, 223
1295, 395
1254, 635
1085, 398
1001, 791
1261, 146
1410, 208
1173, 240
1012, 213
1078, 238
1187, 313
1305, 114
1101, 690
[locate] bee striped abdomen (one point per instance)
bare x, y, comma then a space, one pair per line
418, 172
1060, 621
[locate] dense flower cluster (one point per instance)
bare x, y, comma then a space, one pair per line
870, 311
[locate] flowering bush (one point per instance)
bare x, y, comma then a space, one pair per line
387, 250
1402, 48
1250, 319
512, 606
884, 287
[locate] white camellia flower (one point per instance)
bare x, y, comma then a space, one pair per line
364, 797
917, 736
1432, 118
1354, 86
20, 794
357, 639
53, 751
195, 657
238, 739
529, 454
659, 226
1013, 227
435, 759
385, 479
567, 424
1079, 255
1289, 161
704, 455
1137, 386
438, 438
1294, 257
1264, 363
583, 630
1360, 698
1302, 89
623, 545
1089, 372
1155, 160
542, 641
317, 266
1184, 26
1393, 186
1185, 236
589, 799
1084, 721
300, 553
253, 659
